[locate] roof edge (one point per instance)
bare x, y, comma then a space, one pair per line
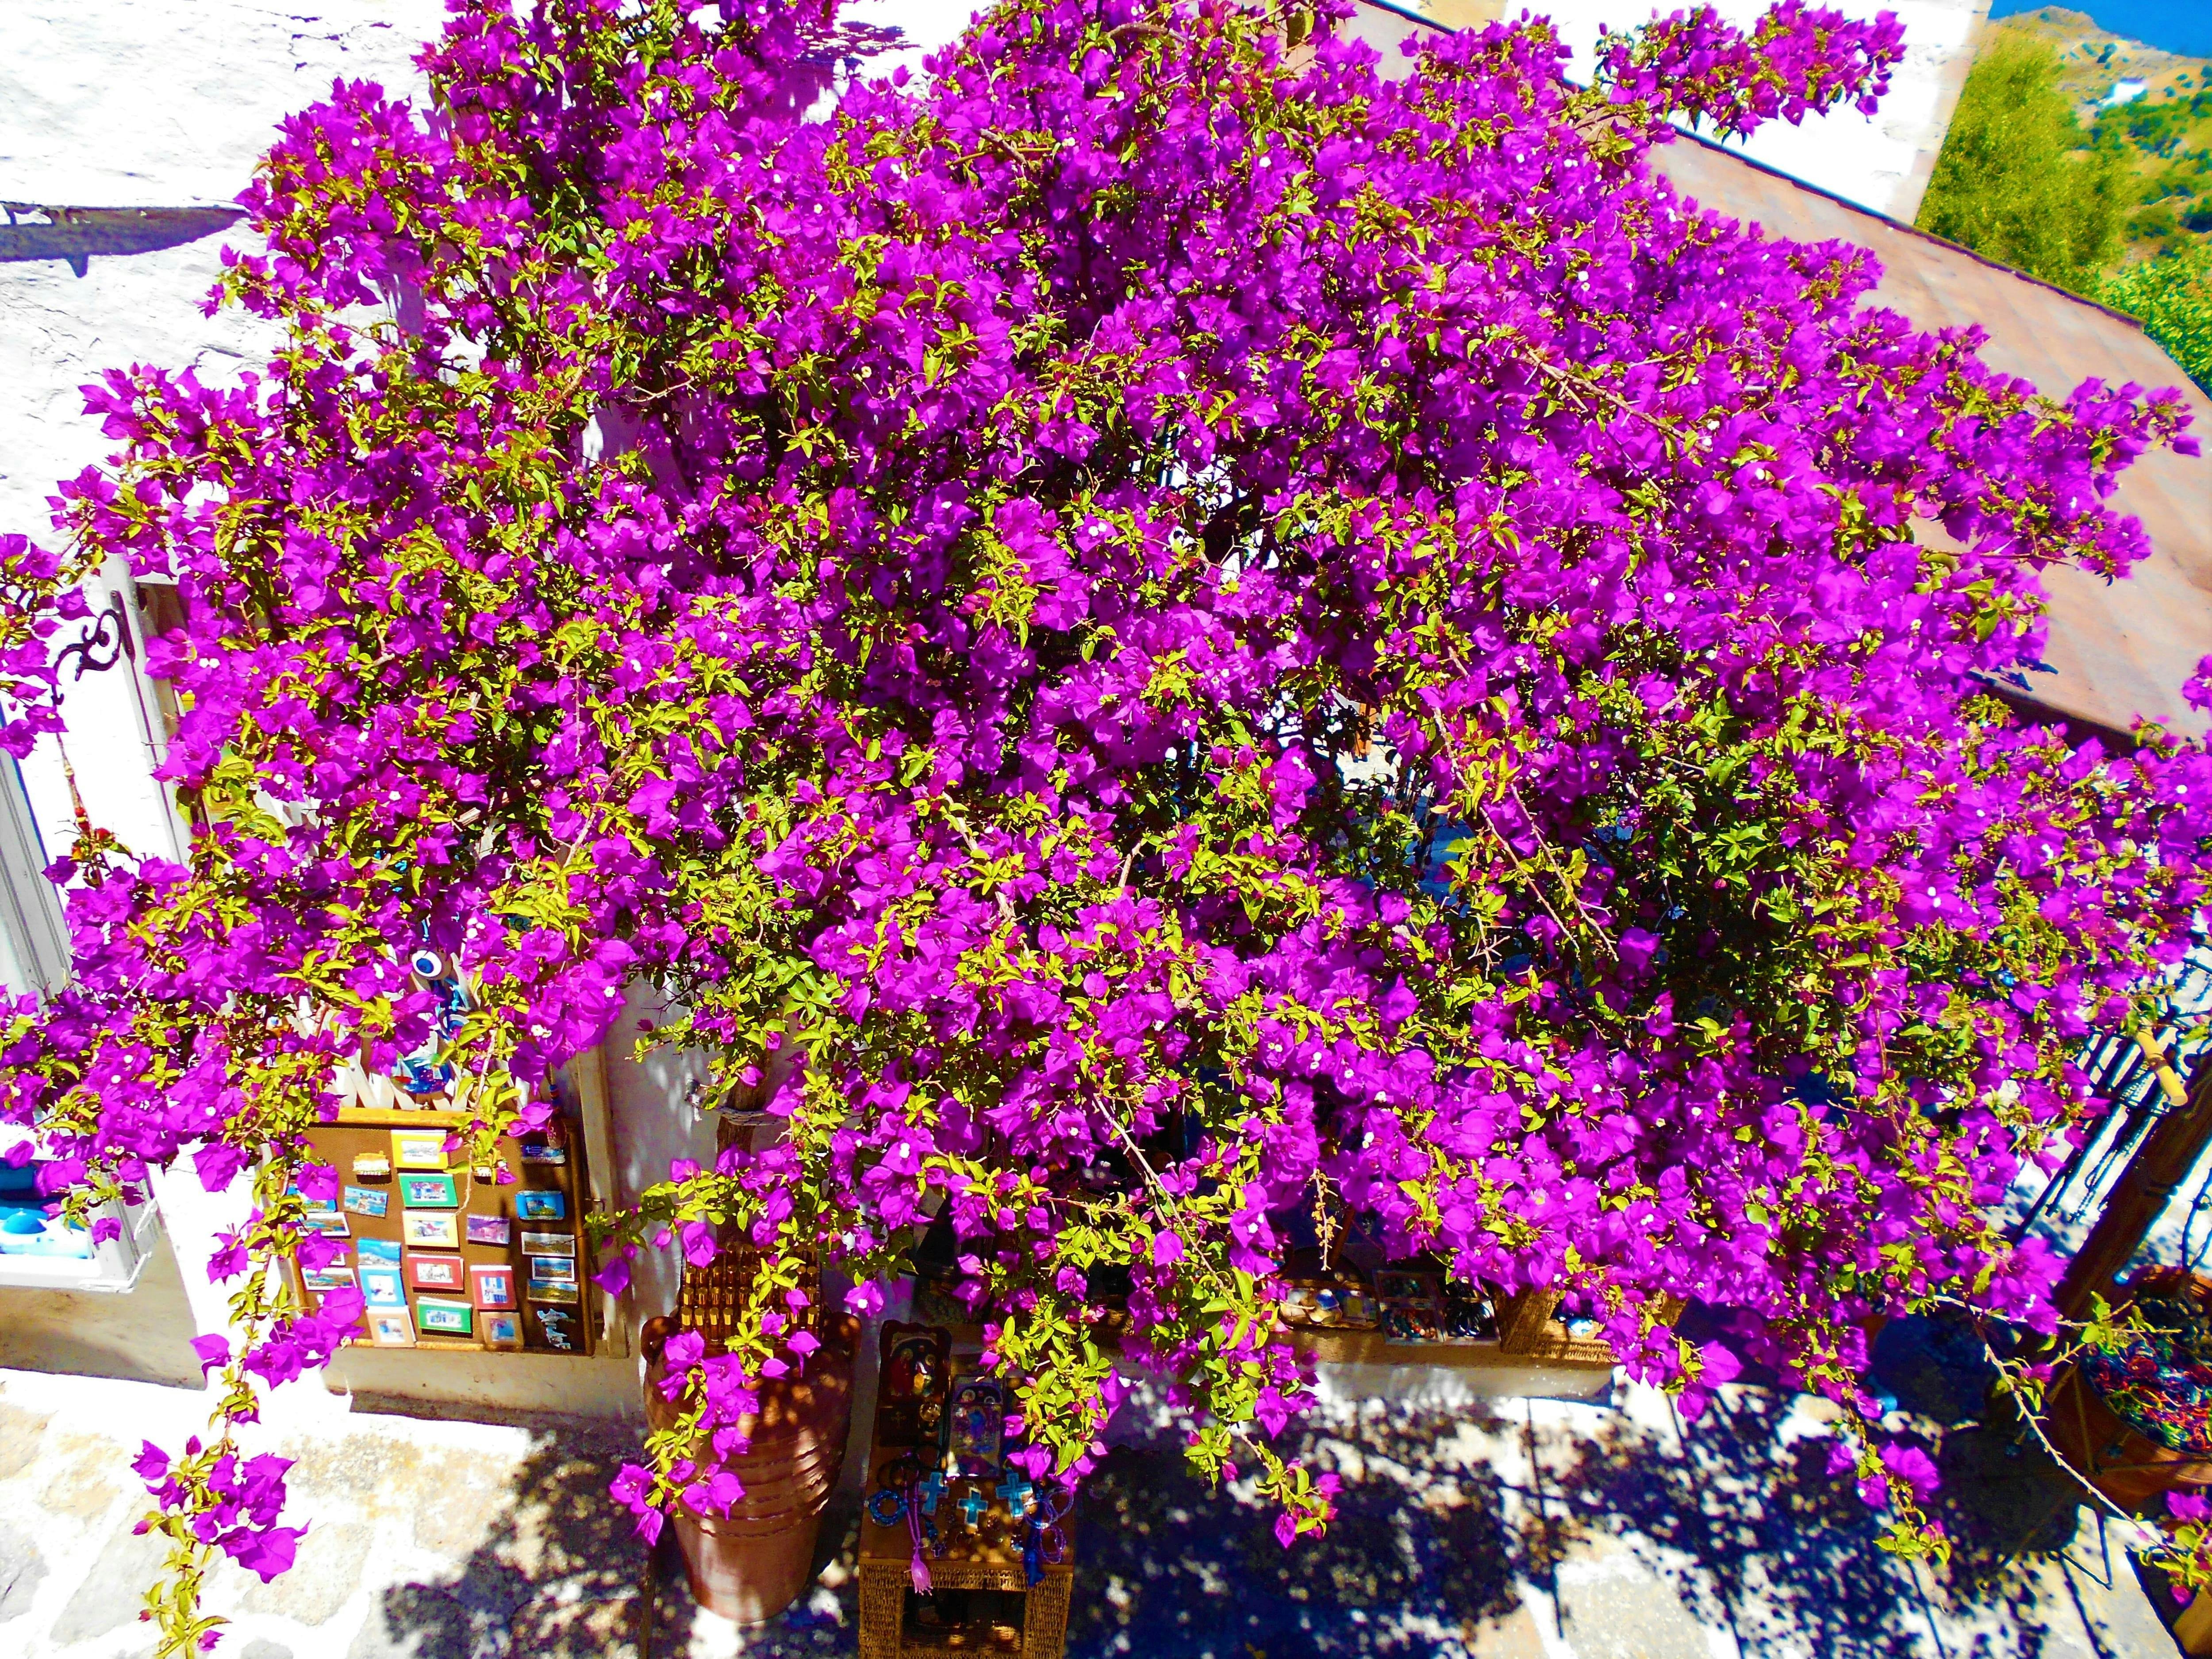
1820, 190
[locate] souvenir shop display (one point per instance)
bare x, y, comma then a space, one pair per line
960, 1550
438, 1244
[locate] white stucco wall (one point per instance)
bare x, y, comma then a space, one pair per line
140, 103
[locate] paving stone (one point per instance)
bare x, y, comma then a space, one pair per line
21, 1433
326, 1573
1622, 1616
115, 1588
457, 1510
23, 1570
490, 1589
587, 1629
414, 1621
1516, 1636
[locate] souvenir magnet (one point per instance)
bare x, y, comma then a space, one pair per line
418, 1149
445, 1318
500, 1330
429, 1192
394, 1330
435, 1273
430, 1228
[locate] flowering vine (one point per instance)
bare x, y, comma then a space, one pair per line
1152, 624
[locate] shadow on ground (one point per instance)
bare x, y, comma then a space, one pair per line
1418, 1557
556, 1578
1637, 1542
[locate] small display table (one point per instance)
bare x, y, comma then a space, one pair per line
980, 1599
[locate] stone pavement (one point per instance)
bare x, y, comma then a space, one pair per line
1512, 1529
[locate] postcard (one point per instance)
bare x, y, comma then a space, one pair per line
381, 1288
367, 1201
549, 1244
488, 1230
378, 1249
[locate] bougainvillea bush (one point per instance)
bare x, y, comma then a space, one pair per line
1163, 624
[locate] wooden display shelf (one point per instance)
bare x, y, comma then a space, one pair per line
541, 1327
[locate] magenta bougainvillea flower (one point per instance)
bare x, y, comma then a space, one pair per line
1152, 630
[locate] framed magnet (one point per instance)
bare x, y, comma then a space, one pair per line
326, 1278
382, 1250
500, 1330
548, 1145
551, 1266
435, 1314
432, 1229
367, 1201
429, 1192
549, 1244
435, 1273
391, 1329
541, 1204
555, 1289
418, 1149
371, 1166
382, 1289
488, 1230
331, 1224
492, 1287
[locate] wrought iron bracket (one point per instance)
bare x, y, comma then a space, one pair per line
105, 641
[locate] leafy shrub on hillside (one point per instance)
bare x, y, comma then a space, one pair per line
2173, 297
2020, 181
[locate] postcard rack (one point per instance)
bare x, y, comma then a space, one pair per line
452, 1255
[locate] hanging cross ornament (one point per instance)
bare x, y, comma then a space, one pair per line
973, 1507
1045, 1544
1019, 1493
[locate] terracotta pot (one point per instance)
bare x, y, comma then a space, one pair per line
753, 1563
